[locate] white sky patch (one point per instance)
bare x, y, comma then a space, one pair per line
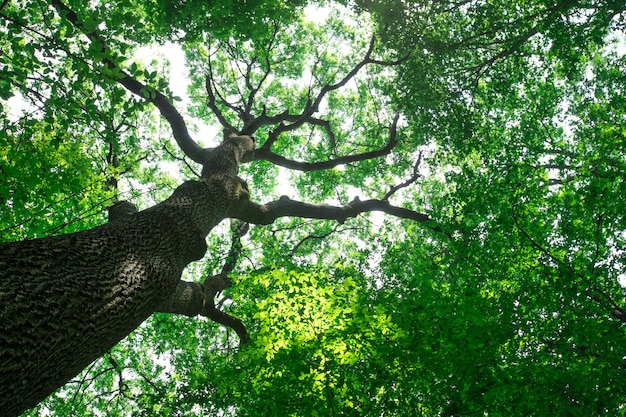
15, 107
179, 73
179, 83
316, 14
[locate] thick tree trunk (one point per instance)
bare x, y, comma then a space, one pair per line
66, 300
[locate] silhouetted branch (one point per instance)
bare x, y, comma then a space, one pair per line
408, 182
313, 105
285, 207
286, 121
174, 118
319, 237
606, 300
212, 103
183, 160
253, 90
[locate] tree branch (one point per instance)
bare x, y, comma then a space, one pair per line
408, 182
212, 102
606, 300
174, 118
265, 154
238, 230
183, 160
312, 106
283, 207
198, 299
285, 121
323, 236
254, 90
516, 43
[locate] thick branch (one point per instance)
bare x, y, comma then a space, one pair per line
188, 299
195, 299
265, 154
174, 118
268, 213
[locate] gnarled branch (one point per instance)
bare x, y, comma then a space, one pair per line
289, 121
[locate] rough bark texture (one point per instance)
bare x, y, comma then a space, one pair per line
66, 300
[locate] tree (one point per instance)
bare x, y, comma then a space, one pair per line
499, 170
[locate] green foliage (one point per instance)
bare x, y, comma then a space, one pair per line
66, 122
45, 177
325, 324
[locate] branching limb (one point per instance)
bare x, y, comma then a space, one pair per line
174, 118
605, 300
212, 102
198, 299
313, 105
268, 213
266, 154
285, 121
253, 90
408, 182
214, 285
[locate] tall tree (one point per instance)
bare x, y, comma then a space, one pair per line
490, 136
70, 298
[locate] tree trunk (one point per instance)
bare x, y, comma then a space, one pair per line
66, 300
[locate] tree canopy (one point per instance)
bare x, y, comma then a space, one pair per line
438, 225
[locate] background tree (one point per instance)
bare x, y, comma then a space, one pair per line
491, 135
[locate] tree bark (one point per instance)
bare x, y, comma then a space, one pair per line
66, 300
